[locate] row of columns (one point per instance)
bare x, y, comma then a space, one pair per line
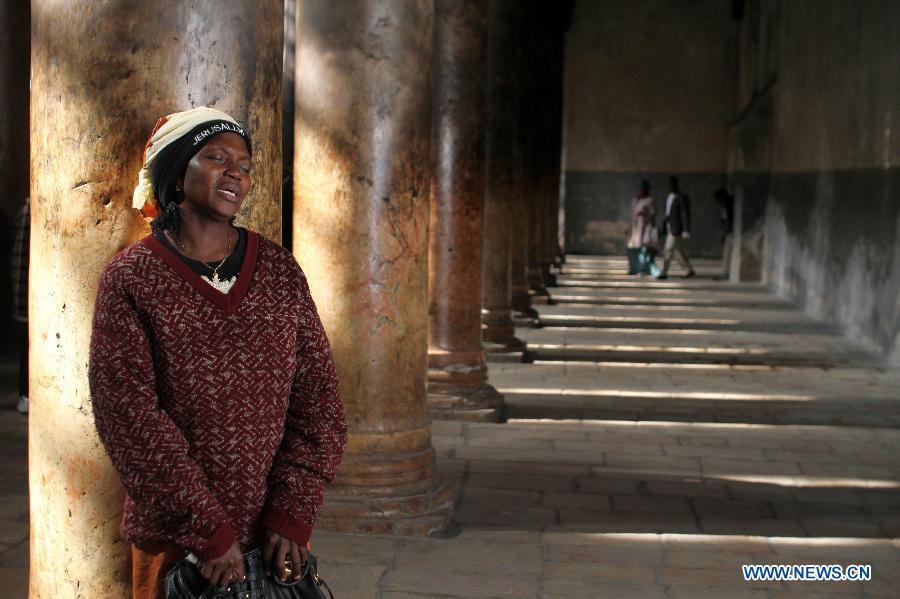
423, 175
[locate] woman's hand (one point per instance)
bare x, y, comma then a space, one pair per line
226, 568
276, 549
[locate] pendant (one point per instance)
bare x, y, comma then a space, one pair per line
223, 285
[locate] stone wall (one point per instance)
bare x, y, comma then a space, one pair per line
649, 92
833, 215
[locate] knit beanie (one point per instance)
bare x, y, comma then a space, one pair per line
175, 139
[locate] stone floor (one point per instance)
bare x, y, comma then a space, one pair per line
661, 434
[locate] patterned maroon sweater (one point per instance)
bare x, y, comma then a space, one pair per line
221, 413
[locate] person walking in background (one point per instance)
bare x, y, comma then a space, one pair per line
20, 256
677, 225
643, 239
725, 202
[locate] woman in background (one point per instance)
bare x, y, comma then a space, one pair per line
643, 239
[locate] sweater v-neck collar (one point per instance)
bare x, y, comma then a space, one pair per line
227, 302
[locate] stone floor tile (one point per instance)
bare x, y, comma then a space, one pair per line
842, 527
506, 442
554, 469
770, 527
606, 485
688, 487
449, 428
502, 497
712, 576
601, 447
707, 559
644, 556
510, 537
645, 503
588, 501
356, 580
477, 559
737, 508
480, 516
392, 595
580, 588
759, 491
693, 591
745, 544
716, 467
494, 480
610, 571
333, 548
604, 541
784, 509
437, 581
624, 522
636, 461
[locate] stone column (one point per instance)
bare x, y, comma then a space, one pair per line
552, 250
361, 234
500, 131
457, 373
520, 214
102, 75
288, 84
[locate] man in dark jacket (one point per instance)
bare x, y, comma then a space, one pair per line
677, 225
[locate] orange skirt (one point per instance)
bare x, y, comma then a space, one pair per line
149, 564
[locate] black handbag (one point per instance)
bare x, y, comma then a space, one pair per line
184, 581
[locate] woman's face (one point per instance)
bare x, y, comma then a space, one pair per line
218, 177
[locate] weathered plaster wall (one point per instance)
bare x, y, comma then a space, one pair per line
833, 220
648, 93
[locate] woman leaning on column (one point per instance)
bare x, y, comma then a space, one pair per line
212, 380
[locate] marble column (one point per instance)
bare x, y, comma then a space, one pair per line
500, 141
288, 84
362, 176
520, 213
535, 147
457, 373
102, 75
553, 250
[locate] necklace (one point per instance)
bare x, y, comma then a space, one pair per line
222, 285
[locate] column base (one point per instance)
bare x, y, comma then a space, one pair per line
497, 325
503, 353
550, 275
521, 302
424, 513
388, 484
529, 318
458, 388
536, 282
480, 404
542, 299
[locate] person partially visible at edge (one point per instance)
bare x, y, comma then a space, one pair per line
643, 238
677, 225
20, 260
725, 202
213, 384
